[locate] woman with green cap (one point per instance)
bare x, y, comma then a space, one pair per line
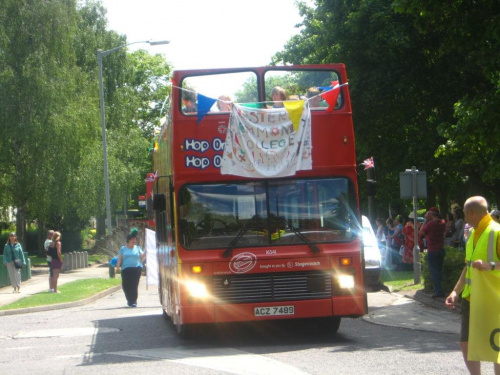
130, 258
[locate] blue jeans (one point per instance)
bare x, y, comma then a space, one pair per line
51, 273
435, 260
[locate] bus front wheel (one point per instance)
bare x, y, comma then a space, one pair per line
184, 331
329, 325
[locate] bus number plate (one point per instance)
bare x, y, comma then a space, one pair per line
274, 310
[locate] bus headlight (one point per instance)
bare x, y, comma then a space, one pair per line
346, 281
196, 289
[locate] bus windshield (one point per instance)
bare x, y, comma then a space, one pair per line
263, 213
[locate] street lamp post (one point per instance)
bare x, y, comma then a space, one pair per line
100, 55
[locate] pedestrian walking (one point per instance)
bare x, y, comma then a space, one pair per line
14, 260
433, 230
482, 260
46, 245
130, 260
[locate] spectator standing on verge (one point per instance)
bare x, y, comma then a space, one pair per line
409, 233
130, 258
50, 233
55, 251
454, 206
381, 236
449, 230
458, 215
398, 241
11, 251
433, 231
476, 214
388, 249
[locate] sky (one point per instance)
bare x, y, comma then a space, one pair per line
207, 33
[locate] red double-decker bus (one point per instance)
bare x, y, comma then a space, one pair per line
267, 243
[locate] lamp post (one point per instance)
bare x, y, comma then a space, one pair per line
100, 55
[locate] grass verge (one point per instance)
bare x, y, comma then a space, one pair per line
70, 292
400, 280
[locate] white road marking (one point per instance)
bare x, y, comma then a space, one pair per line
66, 332
222, 359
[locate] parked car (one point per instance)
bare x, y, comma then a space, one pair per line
372, 255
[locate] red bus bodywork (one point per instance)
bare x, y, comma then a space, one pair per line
253, 282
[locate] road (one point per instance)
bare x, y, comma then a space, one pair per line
107, 337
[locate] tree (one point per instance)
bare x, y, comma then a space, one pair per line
38, 78
471, 32
404, 84
51, 149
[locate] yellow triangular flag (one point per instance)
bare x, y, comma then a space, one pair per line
294, 109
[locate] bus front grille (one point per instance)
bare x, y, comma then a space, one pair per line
268, 287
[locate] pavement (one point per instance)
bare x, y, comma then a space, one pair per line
413, 310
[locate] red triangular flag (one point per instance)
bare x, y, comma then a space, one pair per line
331, 96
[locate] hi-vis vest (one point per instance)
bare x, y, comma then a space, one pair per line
485, 249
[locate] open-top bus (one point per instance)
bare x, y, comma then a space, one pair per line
279, 245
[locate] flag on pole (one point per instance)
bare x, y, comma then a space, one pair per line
368, 163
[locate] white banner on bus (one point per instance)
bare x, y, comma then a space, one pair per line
151, 258
273, 142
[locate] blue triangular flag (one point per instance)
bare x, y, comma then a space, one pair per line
204, 105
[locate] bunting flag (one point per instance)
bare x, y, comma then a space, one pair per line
368, 163
204, 105
484, 323
263, 143
295, 109
331, 96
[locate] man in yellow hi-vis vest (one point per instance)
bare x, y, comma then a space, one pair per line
480, 287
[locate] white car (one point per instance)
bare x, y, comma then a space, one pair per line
371, 254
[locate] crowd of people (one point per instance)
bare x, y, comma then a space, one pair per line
475, 231
396, 238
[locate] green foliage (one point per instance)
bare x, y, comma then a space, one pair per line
424, 79
247, 92
452, 268
88, 236
51, 147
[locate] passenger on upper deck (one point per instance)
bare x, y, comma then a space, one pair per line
225, 103
189, 101
278, 96
315, 99
313, 96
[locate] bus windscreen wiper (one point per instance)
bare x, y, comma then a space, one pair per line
299, 234
229, 249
